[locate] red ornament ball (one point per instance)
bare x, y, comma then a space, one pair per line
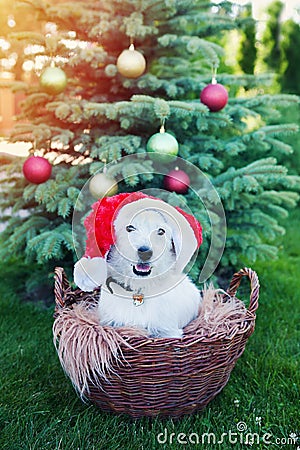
177, 181
215, 96
37, 169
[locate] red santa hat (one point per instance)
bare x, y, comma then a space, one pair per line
109, 212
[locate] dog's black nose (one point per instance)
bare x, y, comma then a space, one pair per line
145, 253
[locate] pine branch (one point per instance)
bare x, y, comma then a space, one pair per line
280, 130
288, 199
50, 244
279, 147
111, 148
23, 231
28, 36
193, 44
132, 173
262, 169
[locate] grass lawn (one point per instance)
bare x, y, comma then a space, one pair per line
40, 410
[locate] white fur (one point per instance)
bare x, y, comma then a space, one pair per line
171, 300
162, 315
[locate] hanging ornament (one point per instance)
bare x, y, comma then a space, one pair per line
164, 143
177, 181
214, 95
53, 80
37, 169
131, 63
101, 185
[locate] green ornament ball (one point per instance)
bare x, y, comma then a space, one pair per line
53, 80
164, 144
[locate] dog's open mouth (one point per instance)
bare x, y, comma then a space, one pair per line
142, 269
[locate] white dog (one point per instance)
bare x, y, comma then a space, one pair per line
144, 285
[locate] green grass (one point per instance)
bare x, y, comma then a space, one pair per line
40, 410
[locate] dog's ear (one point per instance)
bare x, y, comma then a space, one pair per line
176, 240
181, 245
109, 254
173, 249
90, 273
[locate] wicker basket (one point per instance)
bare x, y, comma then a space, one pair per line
168, 377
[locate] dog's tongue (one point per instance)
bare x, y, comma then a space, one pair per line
143, 267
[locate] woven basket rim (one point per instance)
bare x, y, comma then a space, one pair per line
66, 298
188, 339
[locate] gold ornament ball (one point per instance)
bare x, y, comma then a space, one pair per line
131, 63
102, 185
53, 80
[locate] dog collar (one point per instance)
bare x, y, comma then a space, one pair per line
137, 297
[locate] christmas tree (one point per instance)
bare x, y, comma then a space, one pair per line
91, 109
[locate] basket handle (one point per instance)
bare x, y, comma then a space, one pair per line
254, 295
65, 296
61, 286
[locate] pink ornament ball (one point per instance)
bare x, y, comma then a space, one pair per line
177, 181
37, 169
214, 96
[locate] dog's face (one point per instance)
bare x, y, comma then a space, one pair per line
144, 247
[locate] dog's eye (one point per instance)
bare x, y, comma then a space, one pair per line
160, 231
130, 228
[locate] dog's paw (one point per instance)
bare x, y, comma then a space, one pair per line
90, 273
173, 333
176, 334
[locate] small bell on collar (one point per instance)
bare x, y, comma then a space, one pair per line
138, 299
